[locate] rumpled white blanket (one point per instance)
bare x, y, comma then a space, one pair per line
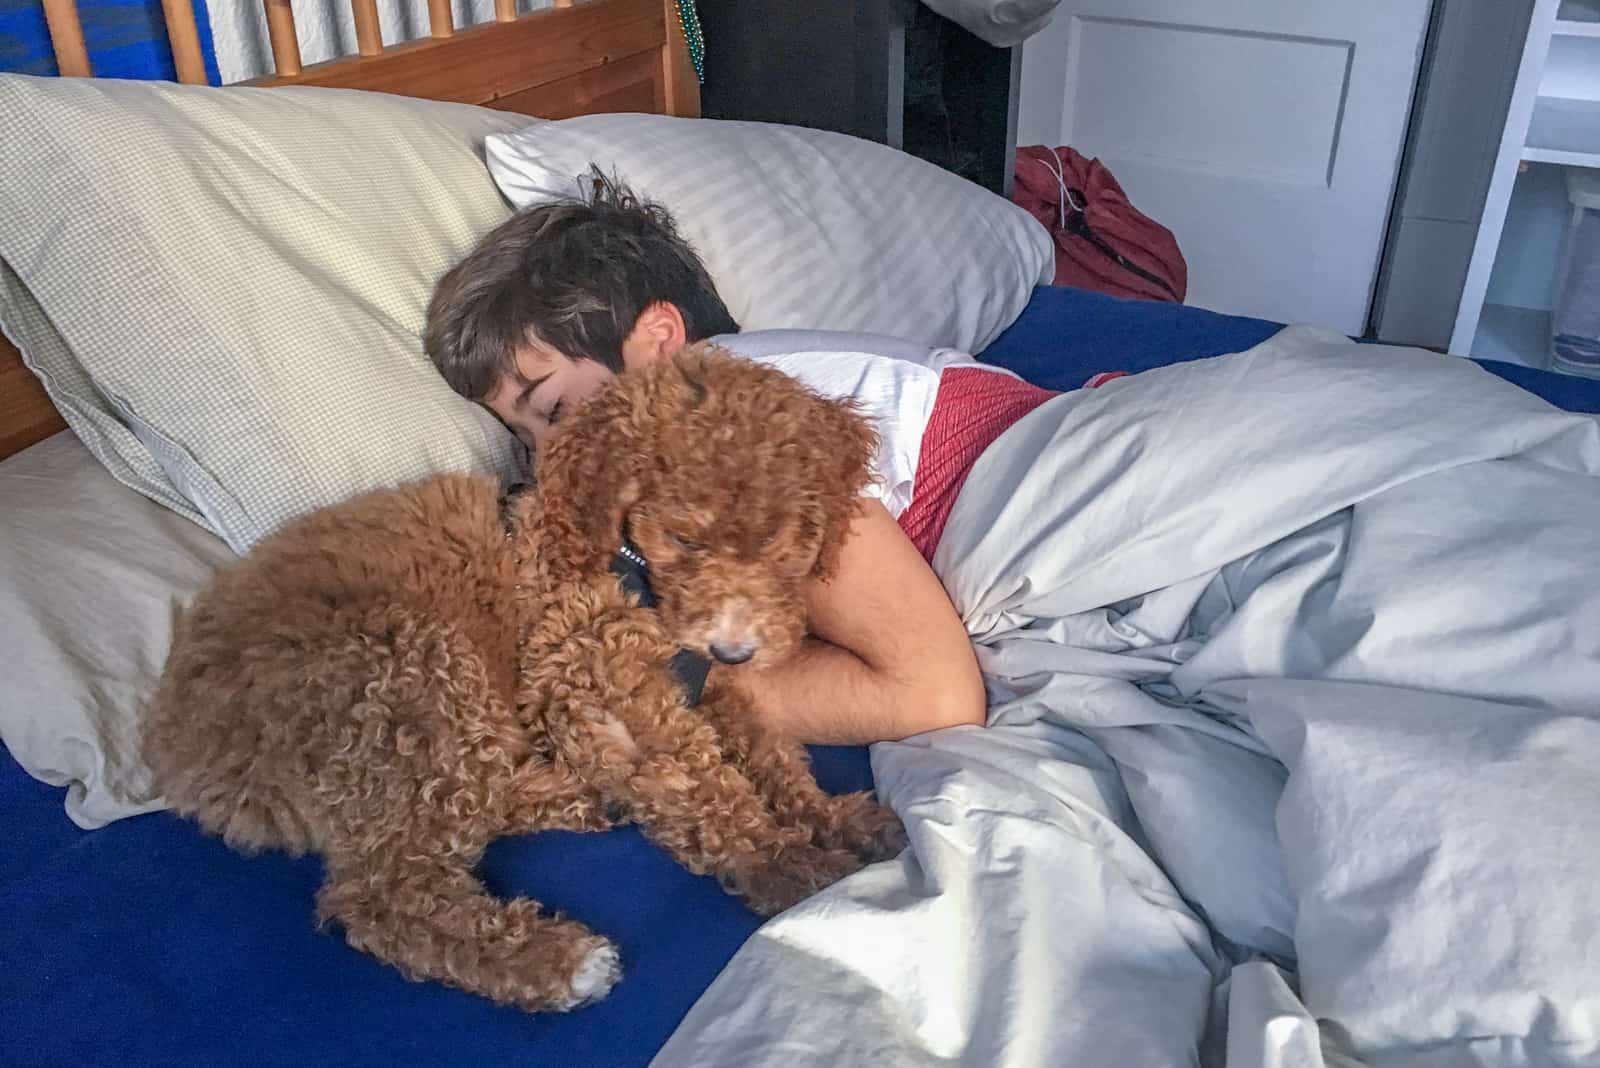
1293, 755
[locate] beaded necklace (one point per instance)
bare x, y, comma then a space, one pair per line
690, 18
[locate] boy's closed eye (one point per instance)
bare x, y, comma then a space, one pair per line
525, 395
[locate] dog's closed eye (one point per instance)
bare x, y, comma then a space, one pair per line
686, 545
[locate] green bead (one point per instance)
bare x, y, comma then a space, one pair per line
690, 18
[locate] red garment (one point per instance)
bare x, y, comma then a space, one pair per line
973, 407
1102, 241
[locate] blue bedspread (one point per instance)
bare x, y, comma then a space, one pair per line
146, 943
1065, 335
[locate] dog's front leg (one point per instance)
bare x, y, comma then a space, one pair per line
709, 816
621, 724
780, 769
550, 796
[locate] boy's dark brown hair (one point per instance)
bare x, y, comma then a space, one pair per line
573, 275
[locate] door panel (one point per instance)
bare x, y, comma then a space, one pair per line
1266, 135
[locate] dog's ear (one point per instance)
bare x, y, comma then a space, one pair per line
705, 363
847, 444
590, 474
692, 367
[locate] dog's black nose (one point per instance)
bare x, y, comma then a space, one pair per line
733, 652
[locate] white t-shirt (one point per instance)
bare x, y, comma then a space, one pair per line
895, 383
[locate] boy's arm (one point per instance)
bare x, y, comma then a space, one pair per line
890, 658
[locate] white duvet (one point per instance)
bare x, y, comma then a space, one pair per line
1293, 755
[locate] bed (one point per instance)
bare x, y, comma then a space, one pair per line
145, 942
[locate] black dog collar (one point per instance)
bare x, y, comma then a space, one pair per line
633, 573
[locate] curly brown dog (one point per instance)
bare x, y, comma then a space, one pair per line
397, 681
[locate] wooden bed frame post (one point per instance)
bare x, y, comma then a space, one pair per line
184, 37
285, 41
66, 38
26, 414
680, 84
369, 30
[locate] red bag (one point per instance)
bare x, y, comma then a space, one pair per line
1102, 241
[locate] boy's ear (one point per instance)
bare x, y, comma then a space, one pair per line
659, 333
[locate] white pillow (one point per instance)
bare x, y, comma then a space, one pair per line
92, 577
223, 290
1002, 23
806, 228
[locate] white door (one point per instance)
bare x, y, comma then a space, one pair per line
1266, 134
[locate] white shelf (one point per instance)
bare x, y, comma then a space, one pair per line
1577, 29
1564, 131
1553, 118
1513, 335
1578, 18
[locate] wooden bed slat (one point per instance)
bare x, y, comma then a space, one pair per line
285, 42
441, 21
628, 84
489, 63
184, 37
66, 38
369, 31
26, 414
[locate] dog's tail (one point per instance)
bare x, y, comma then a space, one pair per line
257, 817
248, 814
220, 772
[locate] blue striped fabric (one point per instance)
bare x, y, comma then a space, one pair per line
126, 38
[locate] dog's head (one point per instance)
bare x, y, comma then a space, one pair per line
734, 481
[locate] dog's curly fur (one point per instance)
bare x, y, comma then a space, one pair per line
395, 682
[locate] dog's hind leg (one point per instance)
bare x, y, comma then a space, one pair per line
431, 918
781, 772
413, 781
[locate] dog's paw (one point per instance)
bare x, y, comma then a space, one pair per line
793, 876
870, 830
596, 974
878, 833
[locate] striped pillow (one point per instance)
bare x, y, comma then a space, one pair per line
223, 289
806, 228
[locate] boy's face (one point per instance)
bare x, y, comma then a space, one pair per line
549, 383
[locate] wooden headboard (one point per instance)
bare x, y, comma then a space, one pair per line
570, 59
